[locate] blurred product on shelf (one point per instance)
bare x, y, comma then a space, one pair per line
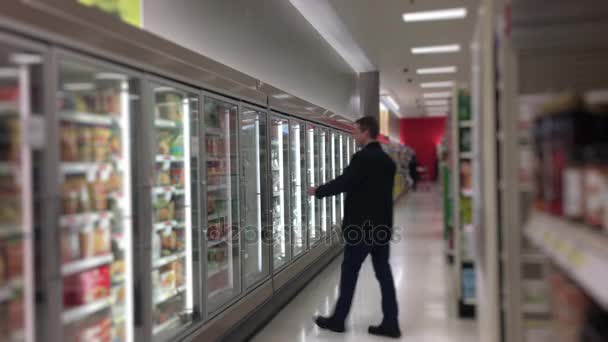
401, 155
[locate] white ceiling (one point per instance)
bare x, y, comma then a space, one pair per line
378, 28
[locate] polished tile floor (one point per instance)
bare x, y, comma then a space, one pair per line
423, 280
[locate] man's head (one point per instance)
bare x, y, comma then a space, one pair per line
366, 130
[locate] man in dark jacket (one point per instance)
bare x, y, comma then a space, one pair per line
366, 226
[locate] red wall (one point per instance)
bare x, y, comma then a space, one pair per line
423, 135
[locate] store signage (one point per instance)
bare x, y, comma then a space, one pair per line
129, 11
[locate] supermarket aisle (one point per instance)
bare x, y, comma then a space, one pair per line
421, 276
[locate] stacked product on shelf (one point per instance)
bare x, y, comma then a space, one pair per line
463, 201
93, 204
170, 238
220, 142
401, 155
12, 302
446, 195
569, 222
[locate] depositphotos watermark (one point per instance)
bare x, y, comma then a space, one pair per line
306, 235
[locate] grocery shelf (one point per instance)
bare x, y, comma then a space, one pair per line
83, 167
467, 123
581, 252
216, 187
218, 242
161, 158
163, 123
466, 155
6, 293
467, 192
165, 325
82, 265
168, 190
216, 216
160, 262
221, 269
75, 314
88, 118
7, 168
8, 108
9, 230
167, 224
169, 294
84, 218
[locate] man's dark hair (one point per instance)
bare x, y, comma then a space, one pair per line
370, 124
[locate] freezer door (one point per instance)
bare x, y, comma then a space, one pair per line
298, 189
324, 178
175, 211
21, 99
221, 226
279, 171
312, 173
95, 103
334, 159
254, 197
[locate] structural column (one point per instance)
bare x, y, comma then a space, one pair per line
369, 94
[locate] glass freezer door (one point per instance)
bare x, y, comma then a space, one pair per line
335, 162
324, 175
95, 105
298, 190
223, 249
254, 198
314, 208
279, 157
21, 86
342, 157
173, 193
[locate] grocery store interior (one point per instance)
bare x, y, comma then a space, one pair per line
156, 161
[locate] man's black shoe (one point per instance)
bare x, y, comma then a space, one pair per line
328, 323
385, 330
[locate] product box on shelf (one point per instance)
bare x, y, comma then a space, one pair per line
86, 287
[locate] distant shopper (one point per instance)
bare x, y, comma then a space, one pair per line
367, 227
413, 166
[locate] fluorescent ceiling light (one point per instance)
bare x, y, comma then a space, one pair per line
81, 86
391, 102
435, 49
9, 72
437, 95
163, 89
437, 103
281, 96
444, 14
437, 113
383, 107
442, 84
437, 70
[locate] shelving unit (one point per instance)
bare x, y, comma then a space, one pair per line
78, 313
82, 265
464, 266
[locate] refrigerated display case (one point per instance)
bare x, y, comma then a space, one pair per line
174, 197
254, 197
95, 105
325, 177
21, 86
312, 171
298, 190
223, 248
279, 158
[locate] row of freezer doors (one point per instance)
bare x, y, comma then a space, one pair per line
145, 178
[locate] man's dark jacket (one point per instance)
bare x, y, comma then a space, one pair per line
368, 183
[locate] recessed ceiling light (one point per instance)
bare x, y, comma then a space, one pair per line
281, 96
438, 109
437, 70
443, 14
383, 107
25, 58
437, 95
110, 76
442, 84
435, 49
437, 113
437, 103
